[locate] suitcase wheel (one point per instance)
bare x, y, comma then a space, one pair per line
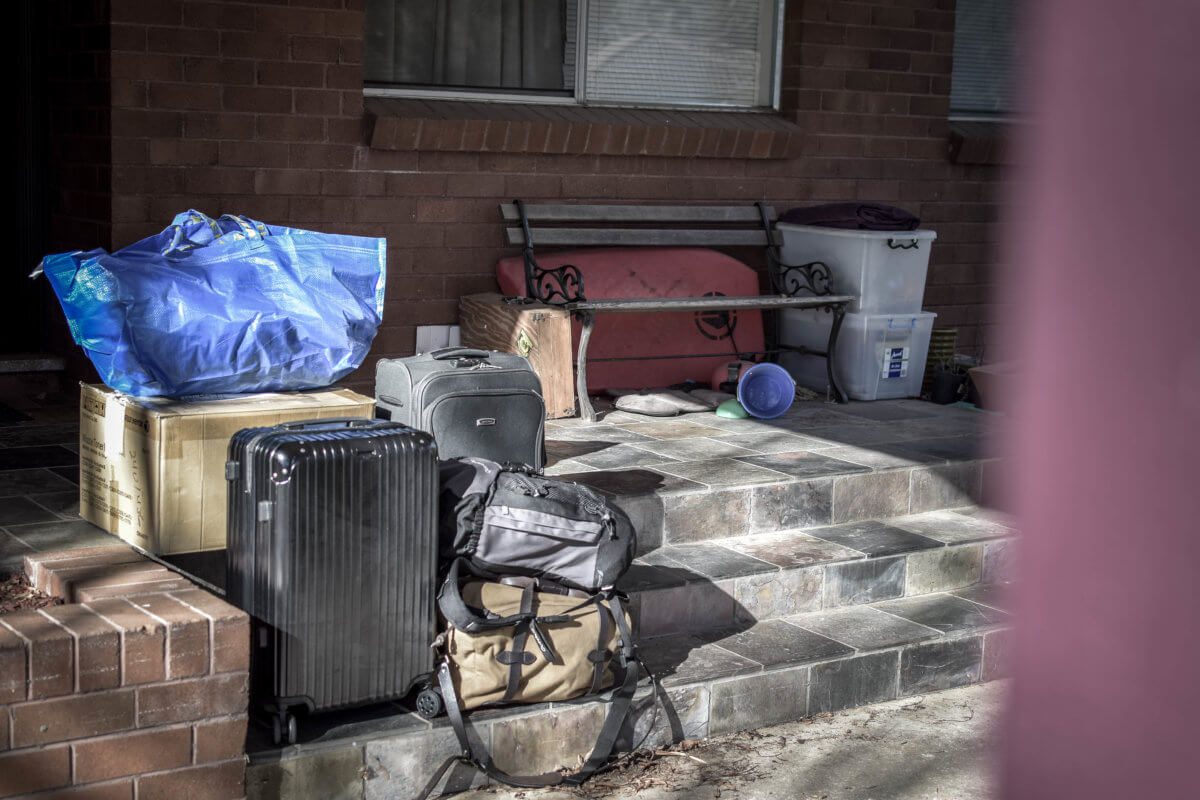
429, 703
283, 728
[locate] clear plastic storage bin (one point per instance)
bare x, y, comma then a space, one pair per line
885, 270
879, 356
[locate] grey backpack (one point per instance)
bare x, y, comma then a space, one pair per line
508, 520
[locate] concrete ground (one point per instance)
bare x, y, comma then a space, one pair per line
938, 746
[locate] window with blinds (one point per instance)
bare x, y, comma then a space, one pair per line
983, 58
649, 53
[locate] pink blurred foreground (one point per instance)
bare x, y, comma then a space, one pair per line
1103, 284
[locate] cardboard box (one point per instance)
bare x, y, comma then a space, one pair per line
152, 471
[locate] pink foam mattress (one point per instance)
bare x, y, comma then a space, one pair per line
618, 273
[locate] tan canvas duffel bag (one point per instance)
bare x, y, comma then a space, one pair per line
511, 640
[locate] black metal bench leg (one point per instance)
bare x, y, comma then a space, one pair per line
581, 390
839, 313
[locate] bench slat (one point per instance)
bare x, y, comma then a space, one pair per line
618, 237
632, 305
620, 213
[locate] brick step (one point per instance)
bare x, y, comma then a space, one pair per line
702, 477
714, 584
743, 677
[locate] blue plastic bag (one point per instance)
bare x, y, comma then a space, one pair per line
218, 306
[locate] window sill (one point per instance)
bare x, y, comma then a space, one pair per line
470, 127
979, 142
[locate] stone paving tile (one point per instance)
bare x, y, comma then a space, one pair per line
863, 627
874, 495
943, 569
684, 659
565, 468
804, 464
640, 577
780, 593
852, 682
716, 562
992, 595
876, 456
773, 441
992, 515
64, 534
950, 527
22, 510
39, 456
946, 486
698, 606
938, 665
950, 448
694, 449
68, 473
997, 649
775, 643
862, 434
634, 482
874, 538
63, 503
12, 554
723, 472
622, 456
885, 411
674, 428
1000, 561
28, 435
800, 504
854, 582
701, 516
755, 701
749, 425
791, 549
32, 481
593, 433
558, 450
946, 613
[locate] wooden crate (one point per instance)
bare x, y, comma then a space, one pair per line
539, 332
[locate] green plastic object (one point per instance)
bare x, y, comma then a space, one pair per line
732, 409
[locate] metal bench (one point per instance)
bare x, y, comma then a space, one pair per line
792, 285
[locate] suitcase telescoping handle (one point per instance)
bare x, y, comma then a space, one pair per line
447, 353
332, 422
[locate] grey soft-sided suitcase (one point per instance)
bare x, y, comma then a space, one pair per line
333, 552
475, 402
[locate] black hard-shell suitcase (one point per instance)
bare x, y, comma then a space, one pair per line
333, 552
477, 403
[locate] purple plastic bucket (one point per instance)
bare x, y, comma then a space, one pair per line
766, 391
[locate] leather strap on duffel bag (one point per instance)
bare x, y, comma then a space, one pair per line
517, 644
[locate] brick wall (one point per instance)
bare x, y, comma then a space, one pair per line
138, 695
257, 108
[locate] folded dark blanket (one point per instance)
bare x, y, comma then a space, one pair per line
854, 216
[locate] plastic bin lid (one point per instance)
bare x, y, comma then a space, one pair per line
920, 233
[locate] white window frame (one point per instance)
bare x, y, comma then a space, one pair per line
772, 67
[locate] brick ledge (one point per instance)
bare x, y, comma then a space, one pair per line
452, 126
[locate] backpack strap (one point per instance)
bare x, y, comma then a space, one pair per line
474, 752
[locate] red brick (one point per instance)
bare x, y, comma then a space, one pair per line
220, 739
185, 96
226, 71
50, 661
236, 44
229, 629
252, 154
320, 156
223, 781
290, 128
34, 770
187, 634
318, 101
322, 49
125, 754
66, 582
258, 99
136, 588
97, 647
143, 641
287, 181
75, 717
4, 742
110, 790
13, 660
290, 73
289, 20
184, 701
343, 76
200, 125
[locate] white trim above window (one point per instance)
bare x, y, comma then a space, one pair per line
701, 54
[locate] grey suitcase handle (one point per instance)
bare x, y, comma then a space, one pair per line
332, 422
447, 353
